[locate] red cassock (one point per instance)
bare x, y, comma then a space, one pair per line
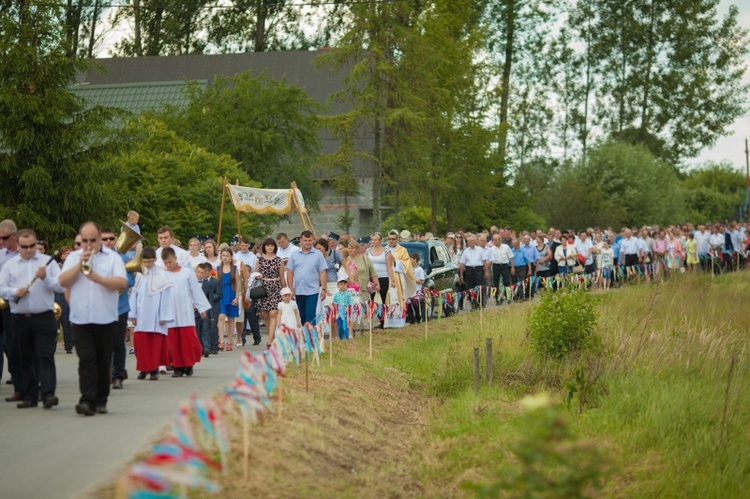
151, 351
184, 348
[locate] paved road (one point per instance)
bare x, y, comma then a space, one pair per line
57, 453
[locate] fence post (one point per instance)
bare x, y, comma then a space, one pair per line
488, 346
476, 370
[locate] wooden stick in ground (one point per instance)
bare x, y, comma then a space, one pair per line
476, 370
426, 314
280, 398
481, 314
488, 348
371, 335
330, 346
246, 445
307, 371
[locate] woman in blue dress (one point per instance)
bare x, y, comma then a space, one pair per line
228, 276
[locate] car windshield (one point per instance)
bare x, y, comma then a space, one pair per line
420, 248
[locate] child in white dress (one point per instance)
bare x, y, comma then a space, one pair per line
289, 312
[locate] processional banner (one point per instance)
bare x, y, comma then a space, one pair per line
264, 201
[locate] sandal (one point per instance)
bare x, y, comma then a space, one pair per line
221, 346
229, 347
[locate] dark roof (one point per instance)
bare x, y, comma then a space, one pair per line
136, 97
139, 83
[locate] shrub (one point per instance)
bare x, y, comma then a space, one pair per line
563, 323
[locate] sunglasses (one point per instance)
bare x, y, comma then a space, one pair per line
78, 243
27, 246
5, 238
88, 241
108, 238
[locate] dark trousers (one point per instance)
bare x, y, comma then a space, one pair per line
119, 352
307, 305
67, 335
93, 344
518, 278
35, 337
203, 329
251, 319
473, 277
384, 284
11, 351
500, 270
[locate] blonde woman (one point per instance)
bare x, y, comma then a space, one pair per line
383, 262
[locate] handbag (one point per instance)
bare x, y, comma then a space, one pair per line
256, 291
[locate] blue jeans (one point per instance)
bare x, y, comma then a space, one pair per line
343, 326
307, 305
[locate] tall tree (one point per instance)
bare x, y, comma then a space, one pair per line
51, 145
269, 127
671, 75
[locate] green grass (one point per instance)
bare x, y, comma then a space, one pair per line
657, 405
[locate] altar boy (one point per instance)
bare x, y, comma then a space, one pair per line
151, 313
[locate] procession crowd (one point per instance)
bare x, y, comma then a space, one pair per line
181, 305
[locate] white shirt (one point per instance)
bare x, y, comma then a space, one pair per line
608, 258
151, 302
183, 257
197, 260
18, 273
629, 246
419, 275
501, 254
473, 257
702, 244
716, 241
92, 303
584, 248
186, 293
6, 255
248, 259
285, 253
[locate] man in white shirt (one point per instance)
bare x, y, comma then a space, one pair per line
94, 297
631, 252
585, 247
29, 286
9, 250
248, 258
501, 259
166, 240
473, 264
286, 248
716, 241
703, 246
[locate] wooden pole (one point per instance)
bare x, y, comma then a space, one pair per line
426, 314
280, 398
330, 345
488, 353
307, 371
239, 225
476, 370
246, 444
370, 336
221, 213
481, 312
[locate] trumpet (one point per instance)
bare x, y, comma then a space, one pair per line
88, 265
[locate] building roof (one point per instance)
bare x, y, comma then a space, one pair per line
136, 97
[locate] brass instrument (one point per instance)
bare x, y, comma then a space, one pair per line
57, 310
88, 265
126, 240
3, 304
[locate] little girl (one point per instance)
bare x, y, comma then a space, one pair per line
692, 252
350, 272
289, 312
229, 309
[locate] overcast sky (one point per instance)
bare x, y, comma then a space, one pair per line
732, 147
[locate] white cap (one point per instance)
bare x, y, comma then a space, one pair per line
285, 291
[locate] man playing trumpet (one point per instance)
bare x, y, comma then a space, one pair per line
32, 318
95, 276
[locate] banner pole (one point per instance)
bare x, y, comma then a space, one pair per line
239, 225
221, 212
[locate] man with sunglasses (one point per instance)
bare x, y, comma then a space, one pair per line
32, 320
9, 250
94, 301
119, 352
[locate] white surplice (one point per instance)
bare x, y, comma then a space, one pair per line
187, 296
151, 302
